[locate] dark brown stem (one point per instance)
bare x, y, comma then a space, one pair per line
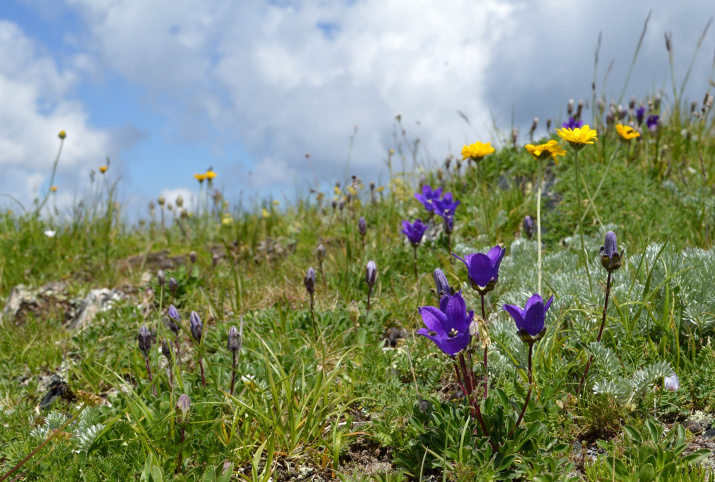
178, 350
312, 301
528, 395
233, 373
486, 350
369, 291
322, 274
201, 366
181, 450
600, 332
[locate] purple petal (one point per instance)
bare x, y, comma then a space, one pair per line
444, 301
548, 304
406, 226
437, 192
535, 298
481, 269
516, 313
434, 319
534, 317
456, 313
465, 261
451, 346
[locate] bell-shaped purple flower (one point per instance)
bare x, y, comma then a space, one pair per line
414, 232
371, 273
448, 325
196, 326
610, 257
572, 124
640, 113
446, 206
652, 123
483, 269
428, 197
530, 320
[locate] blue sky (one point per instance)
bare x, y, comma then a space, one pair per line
169, 88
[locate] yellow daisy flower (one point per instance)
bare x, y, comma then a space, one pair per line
103, 169
626, 132
578, 137
200, 177
544, 151
62, 134
476, 151
53, 189
210, 174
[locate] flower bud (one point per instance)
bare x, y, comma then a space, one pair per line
371, 273
234, 340
610, 257
321, 252
441, 285
173, 285
529, 226
192, 257
183, 406
179, 201
671, 383
62, 134
215, 259
144, 339
354, 312
362, 226
309, 281
196, 326
160, 277
161, 200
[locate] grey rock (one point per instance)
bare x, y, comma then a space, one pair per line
95, 302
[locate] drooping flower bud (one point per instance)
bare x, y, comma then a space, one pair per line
529, 226
183, 407
309, 281
196, 326
160, 277
610, 257
234, 340
144, 339
371, 273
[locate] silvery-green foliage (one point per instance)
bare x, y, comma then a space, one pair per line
87, 429
627, 390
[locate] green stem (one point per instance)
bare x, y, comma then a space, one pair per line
538, 223
580, 224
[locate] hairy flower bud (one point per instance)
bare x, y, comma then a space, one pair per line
371, 273
144, 339
362, 226
173, 285
354, 312
529, 226
161, 277
192, 257
234, 340
309, 281
183, 407
610, 257
166, 349
321, 252
196, 326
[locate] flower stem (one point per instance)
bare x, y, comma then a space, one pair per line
369, 291
233, 372
415, 248
580, 224
323, 274
528, 394
538, 224
178, 350
600, 332
148, 371
486, 350
201, 366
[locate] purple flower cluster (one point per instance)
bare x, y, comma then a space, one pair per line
572, 124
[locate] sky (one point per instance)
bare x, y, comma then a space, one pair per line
169, 88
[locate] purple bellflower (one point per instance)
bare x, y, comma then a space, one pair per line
483, 269
572, 124
640, 113
652, 123
445, 208
414, 232
448, 325
530, 320
671, 383
428, 197
441, 285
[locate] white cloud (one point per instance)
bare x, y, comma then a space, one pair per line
33, 93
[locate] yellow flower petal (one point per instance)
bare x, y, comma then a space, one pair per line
578, 137
477, 151
626, 132
544, 151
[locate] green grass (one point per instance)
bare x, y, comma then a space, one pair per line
319, 394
